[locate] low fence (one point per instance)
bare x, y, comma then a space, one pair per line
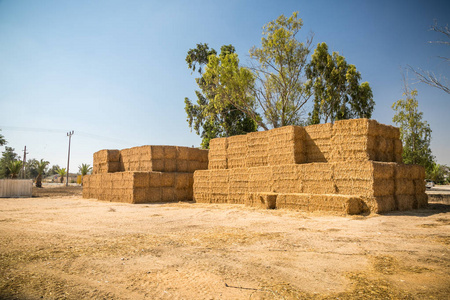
16, 188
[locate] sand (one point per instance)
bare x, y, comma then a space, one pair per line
66, 247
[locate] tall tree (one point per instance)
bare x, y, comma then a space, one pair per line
62, 172
84, 169
279, 67
430, 77
415, 133
2, 140
41, 167
335, 86
14, 168
207, 119
8, 156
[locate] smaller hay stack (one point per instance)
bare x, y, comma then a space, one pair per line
144, 174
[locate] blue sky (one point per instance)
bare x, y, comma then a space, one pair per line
115, 71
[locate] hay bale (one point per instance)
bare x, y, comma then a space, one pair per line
167, 179
170, 152
297, 201
337, 203
260, 180
183, 195
258, 143
317, 178
168, 194
217, 164
286, 145
219, 186
183, 153
422, 200
238, 181
182, 180
381, 204
355, 127
405, 202
404, 186
286, 179
237, 151
261, 200
182, 165
170, 165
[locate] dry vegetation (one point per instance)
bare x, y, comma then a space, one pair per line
73, 248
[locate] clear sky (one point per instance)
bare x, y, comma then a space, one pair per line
115, 71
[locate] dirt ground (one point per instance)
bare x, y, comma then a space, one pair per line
56, 246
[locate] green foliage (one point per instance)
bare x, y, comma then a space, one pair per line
84, 169
280, 92
2, 140
61, 172
438, 173
53, 170
14, 168
336, 89
208, 119
414, 132
41, 167
8, 156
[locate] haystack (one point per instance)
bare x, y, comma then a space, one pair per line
351, 167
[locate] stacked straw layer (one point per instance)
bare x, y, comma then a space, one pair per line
139, 187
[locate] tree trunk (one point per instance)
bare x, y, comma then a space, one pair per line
39, 181
61, 179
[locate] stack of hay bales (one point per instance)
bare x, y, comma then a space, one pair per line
144, 174
351, 166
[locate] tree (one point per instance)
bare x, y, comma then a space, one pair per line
8, 156
53, 170
62, 172
280, 92
14, 168
429, 77
40, 166
336, 89
2, 140
438, 173
84, 169
414, 132
207, 119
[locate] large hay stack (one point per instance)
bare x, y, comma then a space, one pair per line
351, 166
144, 174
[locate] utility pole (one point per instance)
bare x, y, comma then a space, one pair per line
24, 161
69, 134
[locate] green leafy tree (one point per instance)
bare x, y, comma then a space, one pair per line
415, 133
205, 117
41, 167
14, 168
84, 169
335, 86
62, 172
31, 168
2, 140
438, 173
8, 156
280, 92
53, 170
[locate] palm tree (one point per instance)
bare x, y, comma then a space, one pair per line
84, 169
40, 167
14, 168
62, 172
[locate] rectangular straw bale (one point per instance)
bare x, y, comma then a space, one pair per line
287, 145
182, 165
260, 180
261, 200
298, 201
168, 194
422, 200
218, 148
218, 164
154, 179
170, 152
409, 171
170, 165
156, 152
319, 131
200, 155
167, 179
381, 204
258, 143
196, 165
419, 186
183, 153
405, 202
404, 186
286, 179
317, 178
182, 195
237, 151
355, 127
335, 203
238, 180
219, 182
182, 180
398, 146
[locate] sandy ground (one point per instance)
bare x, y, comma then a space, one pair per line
66, 247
